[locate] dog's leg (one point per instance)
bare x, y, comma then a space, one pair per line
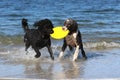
38, 54
51, 52
83, 52
71, 48
27, 45
76, 53
63, 49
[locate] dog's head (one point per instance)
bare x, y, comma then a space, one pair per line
70, 25
45, 26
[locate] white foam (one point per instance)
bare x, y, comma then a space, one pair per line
101, 44
19, 55
6, 78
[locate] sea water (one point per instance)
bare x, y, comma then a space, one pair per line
98, 22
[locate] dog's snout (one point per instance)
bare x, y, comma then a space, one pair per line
64, 28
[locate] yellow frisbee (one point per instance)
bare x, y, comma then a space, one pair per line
59, 33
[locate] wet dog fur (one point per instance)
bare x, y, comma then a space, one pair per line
73, 39
38, 38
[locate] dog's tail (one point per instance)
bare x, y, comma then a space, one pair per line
25, 24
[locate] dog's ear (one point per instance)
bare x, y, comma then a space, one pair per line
39, 24
74, 26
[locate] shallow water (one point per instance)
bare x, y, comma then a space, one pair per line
98, 21
101, 63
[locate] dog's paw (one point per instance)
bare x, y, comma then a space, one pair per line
74, 59
61, 55
27, 52
37, 56
85, 58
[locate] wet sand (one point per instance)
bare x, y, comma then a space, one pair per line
101, 64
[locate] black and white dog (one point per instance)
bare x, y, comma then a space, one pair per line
40, 37
73, 39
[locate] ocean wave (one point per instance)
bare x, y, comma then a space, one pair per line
101, 45
18, 40
5, 39
92, 45
58, 44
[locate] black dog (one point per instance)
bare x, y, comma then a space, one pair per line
38, 38
73, 39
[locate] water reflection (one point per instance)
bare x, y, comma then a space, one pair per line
55, 70
39, 70
73, 69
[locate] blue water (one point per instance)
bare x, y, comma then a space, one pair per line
99, 23
98, 20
